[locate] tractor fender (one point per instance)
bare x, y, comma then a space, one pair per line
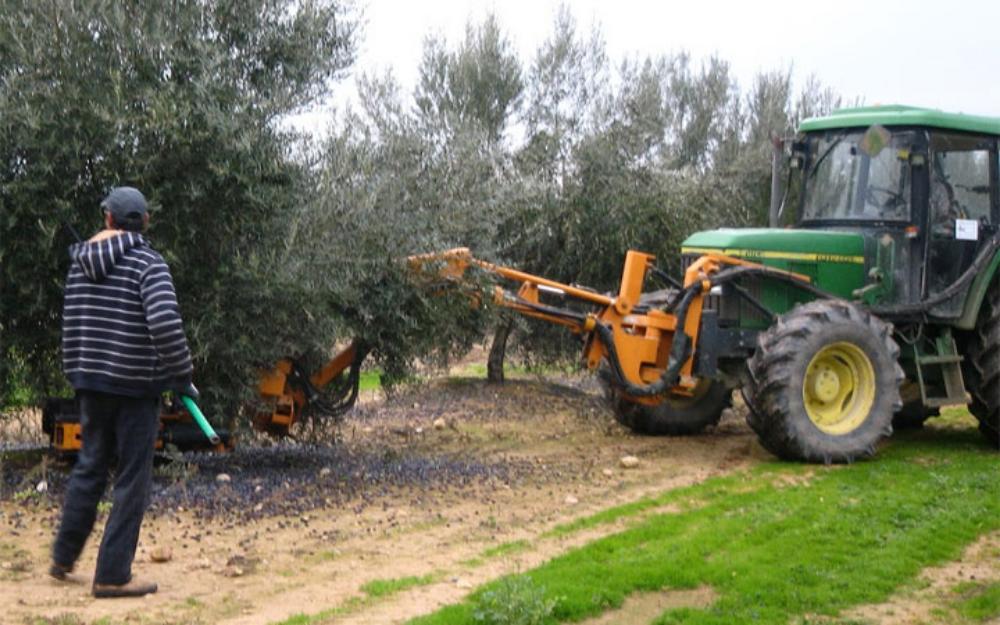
977, 292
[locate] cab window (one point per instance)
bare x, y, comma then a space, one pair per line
960, 179
858, 175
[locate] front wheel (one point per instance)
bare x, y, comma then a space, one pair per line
824, 383
675, 415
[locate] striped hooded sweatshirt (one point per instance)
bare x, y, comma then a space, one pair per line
122, 330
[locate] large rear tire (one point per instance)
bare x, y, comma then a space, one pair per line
676, 415
981, 367
824, 383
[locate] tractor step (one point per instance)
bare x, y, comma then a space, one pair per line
949, 361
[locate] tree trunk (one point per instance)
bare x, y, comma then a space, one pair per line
498, 351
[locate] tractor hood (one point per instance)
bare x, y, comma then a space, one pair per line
768, 244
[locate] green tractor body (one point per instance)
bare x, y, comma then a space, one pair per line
896, 227
834, 260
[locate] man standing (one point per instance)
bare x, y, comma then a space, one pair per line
123, 345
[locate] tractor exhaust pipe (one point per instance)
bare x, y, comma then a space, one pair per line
777, 152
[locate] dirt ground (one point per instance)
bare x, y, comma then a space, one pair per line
447, 472
439, 489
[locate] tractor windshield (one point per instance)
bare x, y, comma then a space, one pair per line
857, 175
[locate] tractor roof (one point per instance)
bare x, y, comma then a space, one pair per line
897, 115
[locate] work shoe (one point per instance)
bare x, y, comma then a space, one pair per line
64, 573
132, 588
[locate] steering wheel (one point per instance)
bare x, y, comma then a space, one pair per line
892, 200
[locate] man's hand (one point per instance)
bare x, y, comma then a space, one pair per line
190, 391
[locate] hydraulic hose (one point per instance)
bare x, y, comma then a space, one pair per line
982, 259
344, 391
679, 351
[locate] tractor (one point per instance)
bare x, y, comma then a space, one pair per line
896, 227
880, 305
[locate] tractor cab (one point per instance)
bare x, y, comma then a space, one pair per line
920, 186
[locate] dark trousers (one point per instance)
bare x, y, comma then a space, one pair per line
114, 427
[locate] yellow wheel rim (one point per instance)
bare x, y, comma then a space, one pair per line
839, 388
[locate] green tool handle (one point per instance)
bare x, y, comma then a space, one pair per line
200, 419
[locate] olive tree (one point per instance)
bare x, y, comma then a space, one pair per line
408, 175
182, 99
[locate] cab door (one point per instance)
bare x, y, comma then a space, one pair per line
962, 211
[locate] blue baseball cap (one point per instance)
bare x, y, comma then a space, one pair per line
125, 204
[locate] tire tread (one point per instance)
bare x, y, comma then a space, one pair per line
771, 381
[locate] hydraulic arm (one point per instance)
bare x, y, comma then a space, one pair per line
648, 345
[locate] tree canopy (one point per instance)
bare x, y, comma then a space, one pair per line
557, 164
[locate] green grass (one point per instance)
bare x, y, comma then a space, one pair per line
778, 553
501, 550
378, 588
953, 417
685, 499
476, 370
375, 591
479, 370
979, 602
370, 380
348, 607
506, 549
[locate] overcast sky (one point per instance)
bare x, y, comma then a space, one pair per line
941, 54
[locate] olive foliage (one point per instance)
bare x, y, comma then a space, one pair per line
410, 175
182, 99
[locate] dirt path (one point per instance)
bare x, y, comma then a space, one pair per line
939, 586
248, 569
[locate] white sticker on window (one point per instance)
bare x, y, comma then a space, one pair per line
967, 229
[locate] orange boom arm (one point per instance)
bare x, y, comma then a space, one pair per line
649, 350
